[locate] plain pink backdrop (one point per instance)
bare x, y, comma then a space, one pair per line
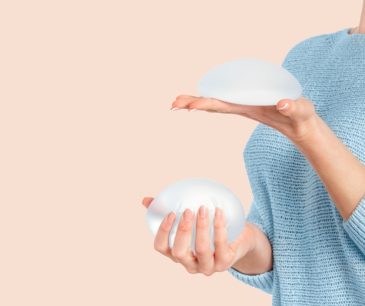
86, 133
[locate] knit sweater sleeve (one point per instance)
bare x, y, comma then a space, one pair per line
355, 225
263, 281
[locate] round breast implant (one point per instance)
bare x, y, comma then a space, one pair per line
249, 82
192, 193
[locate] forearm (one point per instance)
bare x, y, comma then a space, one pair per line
259, 258
340, 171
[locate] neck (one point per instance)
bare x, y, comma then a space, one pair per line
360, 29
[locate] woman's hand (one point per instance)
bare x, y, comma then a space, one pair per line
205, 261
296, 119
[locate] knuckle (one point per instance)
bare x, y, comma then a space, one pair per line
184, 227
191, 270
177, 254
201, 251
207, 273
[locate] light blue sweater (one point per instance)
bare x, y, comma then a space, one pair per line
318, 257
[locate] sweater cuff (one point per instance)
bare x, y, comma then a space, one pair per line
261, 281
355, 225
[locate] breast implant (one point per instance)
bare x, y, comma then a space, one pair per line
249, 82
192, 193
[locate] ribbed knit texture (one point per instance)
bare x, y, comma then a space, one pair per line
318, 257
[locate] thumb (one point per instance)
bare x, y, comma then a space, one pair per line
286, 107
300, 109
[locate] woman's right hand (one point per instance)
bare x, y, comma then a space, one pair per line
204, 261
296, 119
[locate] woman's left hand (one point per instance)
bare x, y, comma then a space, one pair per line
296, 119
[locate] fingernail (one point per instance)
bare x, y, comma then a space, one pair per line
284, 106
170, 216
202, 211
174, 108
188, 215
192, 110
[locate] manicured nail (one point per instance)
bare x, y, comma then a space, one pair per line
188, 215
174, 108
192, 110
284, 106
202, 211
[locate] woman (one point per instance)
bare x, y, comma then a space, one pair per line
304, 240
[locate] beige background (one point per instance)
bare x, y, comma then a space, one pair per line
86, 133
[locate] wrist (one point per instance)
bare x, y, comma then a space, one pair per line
248, 243
257, 257
308, 131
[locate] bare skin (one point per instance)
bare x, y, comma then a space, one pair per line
251, 252
252, 244
257, 257
360, 29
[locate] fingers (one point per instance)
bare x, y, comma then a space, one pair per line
281, 116
223, 253
217, 106
147, 201
202, 243
182, 101
161, 242
181, 249
205, 261
208, 104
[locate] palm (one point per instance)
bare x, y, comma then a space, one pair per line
287, 122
